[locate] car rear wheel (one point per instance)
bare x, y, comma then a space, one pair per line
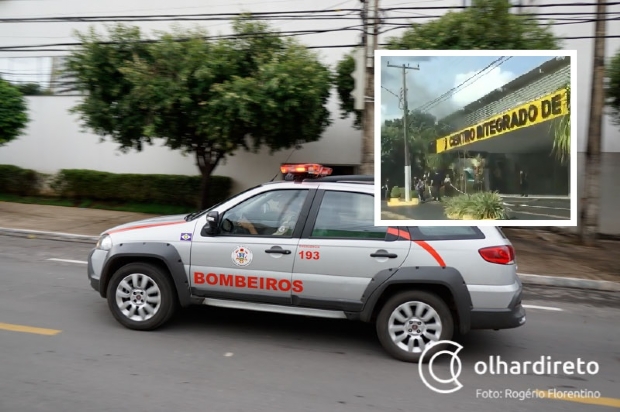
412, 322
141, 296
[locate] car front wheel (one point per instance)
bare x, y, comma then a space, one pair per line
412, 322
141, 296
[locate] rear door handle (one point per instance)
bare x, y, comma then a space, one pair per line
278, 250
384, 255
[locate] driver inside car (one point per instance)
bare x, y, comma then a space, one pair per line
286, 207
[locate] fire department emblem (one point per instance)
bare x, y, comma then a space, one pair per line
242, 256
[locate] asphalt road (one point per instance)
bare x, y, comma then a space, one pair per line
223, 360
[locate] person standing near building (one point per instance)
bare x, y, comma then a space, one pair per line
437, 182
523, 183
386, 189
420, 187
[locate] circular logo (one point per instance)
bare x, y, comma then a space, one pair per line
455, 367
242, 256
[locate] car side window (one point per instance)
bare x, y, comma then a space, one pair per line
347, 215
273, 213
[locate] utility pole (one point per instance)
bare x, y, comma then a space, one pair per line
371, 43
405, 127
591, 198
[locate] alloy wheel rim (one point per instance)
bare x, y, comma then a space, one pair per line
414, 326
138, 297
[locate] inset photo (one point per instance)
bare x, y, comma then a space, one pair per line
475, 137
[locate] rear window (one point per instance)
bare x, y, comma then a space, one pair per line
445, 232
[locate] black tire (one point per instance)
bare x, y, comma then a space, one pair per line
167, 292
434, 301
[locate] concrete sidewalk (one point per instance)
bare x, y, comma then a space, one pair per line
85, 225
62, 220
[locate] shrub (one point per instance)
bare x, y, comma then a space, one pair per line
17, 181
174, 190
482, 205
395, 194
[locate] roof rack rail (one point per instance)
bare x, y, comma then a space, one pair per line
345, 179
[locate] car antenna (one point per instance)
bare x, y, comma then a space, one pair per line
297, 146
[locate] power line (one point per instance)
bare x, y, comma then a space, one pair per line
293, 14
485, 71
331, 46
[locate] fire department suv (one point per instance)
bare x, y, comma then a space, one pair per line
308, 246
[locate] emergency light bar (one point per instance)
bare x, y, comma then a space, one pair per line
312, 169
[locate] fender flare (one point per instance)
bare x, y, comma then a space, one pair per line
164, 252
448, 277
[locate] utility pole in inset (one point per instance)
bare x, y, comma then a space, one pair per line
371, 43
591, 198
405, 127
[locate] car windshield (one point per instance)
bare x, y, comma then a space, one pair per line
197, 214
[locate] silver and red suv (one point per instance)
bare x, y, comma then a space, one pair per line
310, 247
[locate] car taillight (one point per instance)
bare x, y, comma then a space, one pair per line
502, 255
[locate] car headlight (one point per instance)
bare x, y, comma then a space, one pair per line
104, 242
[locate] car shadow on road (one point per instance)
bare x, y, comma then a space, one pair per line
313, 334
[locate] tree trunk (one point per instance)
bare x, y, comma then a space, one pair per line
204, 189
207, 161
591, 198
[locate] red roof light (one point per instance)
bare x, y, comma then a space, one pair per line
306, 169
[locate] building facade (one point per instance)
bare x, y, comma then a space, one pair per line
513, 130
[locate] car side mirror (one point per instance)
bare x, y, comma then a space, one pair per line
213, 220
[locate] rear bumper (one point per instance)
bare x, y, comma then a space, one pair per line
509, 318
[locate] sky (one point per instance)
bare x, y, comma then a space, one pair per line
437, 75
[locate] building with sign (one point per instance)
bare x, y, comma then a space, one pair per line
513, 130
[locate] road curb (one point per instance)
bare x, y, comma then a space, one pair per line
38, 234
575, 283
526, 278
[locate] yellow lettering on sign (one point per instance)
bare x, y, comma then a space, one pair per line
537, 111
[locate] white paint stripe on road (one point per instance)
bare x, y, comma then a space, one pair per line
543, 308
81, 262
546, 207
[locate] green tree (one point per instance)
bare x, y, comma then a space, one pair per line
344, 86
486, 25
561, 141
13, 112
423, 128
208, 98
612, 89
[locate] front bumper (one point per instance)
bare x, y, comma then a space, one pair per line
96, 259
511, 317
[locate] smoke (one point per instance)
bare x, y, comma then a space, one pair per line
419, 95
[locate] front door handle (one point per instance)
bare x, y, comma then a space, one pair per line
278, 250
384, 255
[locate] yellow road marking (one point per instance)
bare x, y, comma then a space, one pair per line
29, 329
612, 402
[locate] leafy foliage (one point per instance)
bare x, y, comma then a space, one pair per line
344, 86
486, 25
174, 190
33, 89
209, 98
13, 112
561, 133
18, 181
476, 206
423, 129
395, 193
612, 91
